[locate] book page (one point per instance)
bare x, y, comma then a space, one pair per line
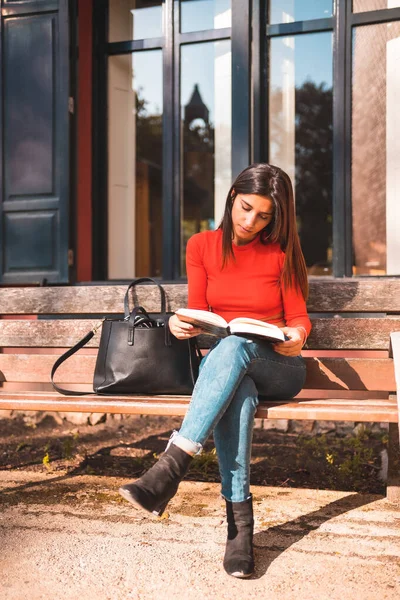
271, 333
251, 321
208, 321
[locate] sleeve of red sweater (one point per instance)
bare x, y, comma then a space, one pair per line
197, 276
294, 307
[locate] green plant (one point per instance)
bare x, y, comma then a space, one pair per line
22, 446
46, 460
68, 446
205, 462
347, 463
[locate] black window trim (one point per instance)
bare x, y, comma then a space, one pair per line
249, 34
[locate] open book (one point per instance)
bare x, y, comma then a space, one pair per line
216, 325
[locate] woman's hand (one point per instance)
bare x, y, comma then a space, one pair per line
293, 346
182, 330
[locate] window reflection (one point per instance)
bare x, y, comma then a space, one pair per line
206, 136
135, 165
300, 124
367, 5
134, 19
288, 11
376, 149
199, 15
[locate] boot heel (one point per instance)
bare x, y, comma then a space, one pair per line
160, 511
127, 495
130, 496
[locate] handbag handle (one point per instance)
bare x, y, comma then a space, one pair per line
64, 357
141, 280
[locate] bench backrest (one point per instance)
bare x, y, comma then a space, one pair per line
349, 315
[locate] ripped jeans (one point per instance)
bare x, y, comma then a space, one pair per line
225, 400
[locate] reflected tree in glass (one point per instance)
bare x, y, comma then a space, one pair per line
313, 185
313, 168
149, 174
198, 164
205, 136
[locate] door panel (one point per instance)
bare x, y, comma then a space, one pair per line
35, 143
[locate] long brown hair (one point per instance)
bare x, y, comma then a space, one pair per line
273, 183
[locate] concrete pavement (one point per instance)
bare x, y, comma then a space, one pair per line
74, 538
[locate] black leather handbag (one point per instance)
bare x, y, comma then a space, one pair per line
139, 355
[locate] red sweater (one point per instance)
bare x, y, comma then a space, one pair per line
247, 287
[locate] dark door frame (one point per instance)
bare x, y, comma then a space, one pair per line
73, 108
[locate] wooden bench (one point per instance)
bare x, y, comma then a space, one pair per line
350, 369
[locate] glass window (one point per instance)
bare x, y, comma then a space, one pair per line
206, 136
199, 15
288, 11
135, 164
367, 5
134, 19
375, 177
300, 125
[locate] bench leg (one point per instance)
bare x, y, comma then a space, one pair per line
393, 483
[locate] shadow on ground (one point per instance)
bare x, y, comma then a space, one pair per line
127, 447
270, 543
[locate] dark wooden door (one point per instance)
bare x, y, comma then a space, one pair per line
34, 190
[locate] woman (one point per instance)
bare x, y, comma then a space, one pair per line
252, 265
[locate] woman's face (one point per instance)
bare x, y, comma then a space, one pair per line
250, 214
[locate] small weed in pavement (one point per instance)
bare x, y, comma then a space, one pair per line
345, 463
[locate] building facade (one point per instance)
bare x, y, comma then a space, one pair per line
124, 123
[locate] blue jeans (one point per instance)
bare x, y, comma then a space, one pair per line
225, 400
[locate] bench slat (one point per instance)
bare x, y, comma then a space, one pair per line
103, 299
326, 295
367, 294
351, 373
352, 333
389, 399
316, 411
380, 411
322, 373
50, 334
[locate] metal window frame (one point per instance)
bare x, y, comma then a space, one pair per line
346, 22
183, 39
241, 85
99, 143
341, 24
170, 44
249, 34
299, 28
1, 143
259, 83
341, 192
372, 17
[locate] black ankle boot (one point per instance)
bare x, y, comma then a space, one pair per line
158, 485
239, 558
